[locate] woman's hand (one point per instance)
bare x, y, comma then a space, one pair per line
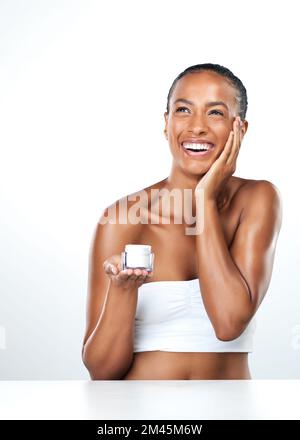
127, 279
221, 170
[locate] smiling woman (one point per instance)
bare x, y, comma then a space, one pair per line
193, 317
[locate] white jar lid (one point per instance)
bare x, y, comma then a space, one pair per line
144, 249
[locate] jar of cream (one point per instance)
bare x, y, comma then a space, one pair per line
138, 256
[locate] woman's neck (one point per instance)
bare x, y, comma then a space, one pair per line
182, 181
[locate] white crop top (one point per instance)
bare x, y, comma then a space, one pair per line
171, 316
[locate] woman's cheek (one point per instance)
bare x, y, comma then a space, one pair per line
223, 133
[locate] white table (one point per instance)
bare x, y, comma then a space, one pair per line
147, 399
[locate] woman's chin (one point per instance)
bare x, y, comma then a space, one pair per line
196, 168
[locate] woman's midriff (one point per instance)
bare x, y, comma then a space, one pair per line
164, 365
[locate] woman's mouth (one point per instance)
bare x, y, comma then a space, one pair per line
193, 149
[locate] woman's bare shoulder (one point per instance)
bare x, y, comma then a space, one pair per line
247, 187
250, 191
122, 221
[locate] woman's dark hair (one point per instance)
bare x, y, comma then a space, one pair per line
223, 71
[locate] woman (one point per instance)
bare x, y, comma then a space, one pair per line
193, 316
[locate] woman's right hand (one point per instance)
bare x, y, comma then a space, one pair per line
127, 278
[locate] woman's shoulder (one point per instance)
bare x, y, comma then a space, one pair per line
252, 187
255, 192
126, 216
141, 198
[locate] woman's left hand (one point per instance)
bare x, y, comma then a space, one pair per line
221, 170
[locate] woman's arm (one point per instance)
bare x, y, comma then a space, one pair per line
234, 281
107, 350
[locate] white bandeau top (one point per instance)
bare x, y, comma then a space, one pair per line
171, 316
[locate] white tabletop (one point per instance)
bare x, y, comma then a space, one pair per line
147, 399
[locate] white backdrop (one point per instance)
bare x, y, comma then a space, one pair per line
83, 88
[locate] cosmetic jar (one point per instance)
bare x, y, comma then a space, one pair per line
137, 256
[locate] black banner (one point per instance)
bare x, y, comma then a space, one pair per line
132, 429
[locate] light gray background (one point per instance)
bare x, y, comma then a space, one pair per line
83, 87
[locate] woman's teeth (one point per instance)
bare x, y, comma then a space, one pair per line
197, 147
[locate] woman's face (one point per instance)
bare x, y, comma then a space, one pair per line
193, 117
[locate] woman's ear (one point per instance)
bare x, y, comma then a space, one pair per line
166, 125
244, 128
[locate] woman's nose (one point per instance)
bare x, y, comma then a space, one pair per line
198, 125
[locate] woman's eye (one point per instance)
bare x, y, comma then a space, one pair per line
181, 108
217, 112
